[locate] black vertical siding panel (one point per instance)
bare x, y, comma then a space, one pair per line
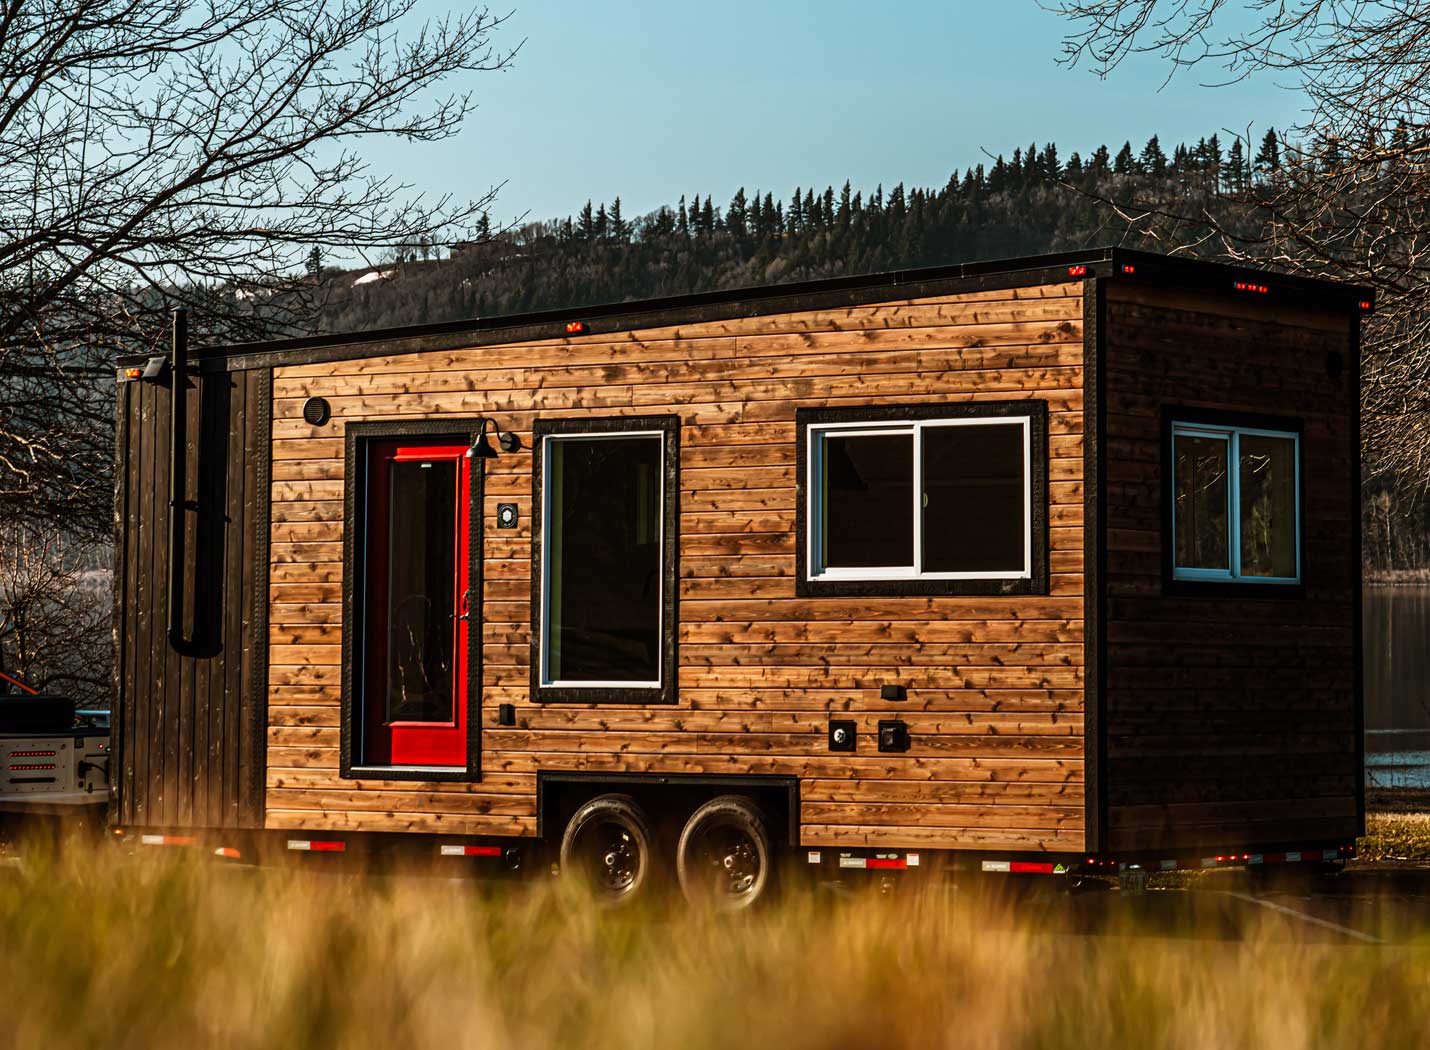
151, 692
189, 710
118, 579
239, 547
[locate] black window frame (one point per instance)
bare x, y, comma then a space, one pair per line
357, 437
668, 426
1236, 587
1035, 410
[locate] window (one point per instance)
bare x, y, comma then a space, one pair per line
606, 566
941, 499
411, 625
1235, 499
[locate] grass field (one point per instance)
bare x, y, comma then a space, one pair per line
99, 948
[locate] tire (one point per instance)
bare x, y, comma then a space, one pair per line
725, 860
609, 847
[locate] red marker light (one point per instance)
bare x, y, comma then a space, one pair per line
1365, 304
1248, 286
575, 327
133, 373
1128, 268
1077, 271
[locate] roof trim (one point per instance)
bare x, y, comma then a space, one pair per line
608, 318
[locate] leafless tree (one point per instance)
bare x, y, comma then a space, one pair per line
1351, 198
156, 153
55, 598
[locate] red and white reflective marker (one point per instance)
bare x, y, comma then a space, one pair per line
471, 851
878, 862
167, 840
316, 846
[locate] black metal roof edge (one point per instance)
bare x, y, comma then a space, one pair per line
764, 299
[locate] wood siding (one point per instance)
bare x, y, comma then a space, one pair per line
1228, 721
188, 728
995, 684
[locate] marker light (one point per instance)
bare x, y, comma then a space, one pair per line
134, 373
1247, 286
575, 327
1128, 268
1077, 271
1365, 304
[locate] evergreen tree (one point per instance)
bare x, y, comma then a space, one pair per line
603, 223
737, 216
586, 223
1074, 168
796, 212
1268, 157
1234, 170
1123, 163
314, 265
620, 229
846, 204
1214, 161
1049, 166
1100, 162
682, 219
998, 176
1153, 160
707, 216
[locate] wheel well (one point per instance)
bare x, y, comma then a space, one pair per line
667, 799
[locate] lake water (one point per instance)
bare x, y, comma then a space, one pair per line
1397, 686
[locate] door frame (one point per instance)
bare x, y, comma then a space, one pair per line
358, 437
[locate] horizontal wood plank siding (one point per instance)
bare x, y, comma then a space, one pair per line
1228, 721
995, 684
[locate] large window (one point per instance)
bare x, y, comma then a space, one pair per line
606, 563
927, 499
1235, 500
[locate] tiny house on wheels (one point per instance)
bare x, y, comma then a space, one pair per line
1048, 565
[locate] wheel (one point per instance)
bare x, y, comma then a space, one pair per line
608, 845
724, 856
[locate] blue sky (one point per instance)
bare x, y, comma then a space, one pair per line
649, 100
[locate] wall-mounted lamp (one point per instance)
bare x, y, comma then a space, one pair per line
482, 448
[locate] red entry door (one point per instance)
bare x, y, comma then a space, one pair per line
416, 604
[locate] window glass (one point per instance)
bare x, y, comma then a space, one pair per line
603, 559
973, 498
1200, 502
1267, 480
421, 584
867, 489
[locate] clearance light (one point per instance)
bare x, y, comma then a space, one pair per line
134, 373
1248, 286
575, 327
1128, 268
1077, 271
31, 754
30, 767
1365, 304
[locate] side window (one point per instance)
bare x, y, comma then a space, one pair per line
605, 570
1234, 513
938, 499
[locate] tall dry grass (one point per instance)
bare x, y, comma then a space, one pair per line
104, 949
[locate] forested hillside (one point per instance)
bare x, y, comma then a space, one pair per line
1034, 201
1024, 205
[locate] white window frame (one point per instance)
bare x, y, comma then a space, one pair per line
817, 571
1232, 436
544, 642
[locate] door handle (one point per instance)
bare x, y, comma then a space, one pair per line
466, 613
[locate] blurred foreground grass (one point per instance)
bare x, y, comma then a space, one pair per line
103, 949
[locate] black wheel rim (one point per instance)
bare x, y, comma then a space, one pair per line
727, 864
611, 857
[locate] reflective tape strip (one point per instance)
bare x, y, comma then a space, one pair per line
1023, 867
471, 851
228, 852
852, 862
887, 863
314, 846
167, 840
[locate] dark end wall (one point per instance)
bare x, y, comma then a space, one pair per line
189, 725
1229, 720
